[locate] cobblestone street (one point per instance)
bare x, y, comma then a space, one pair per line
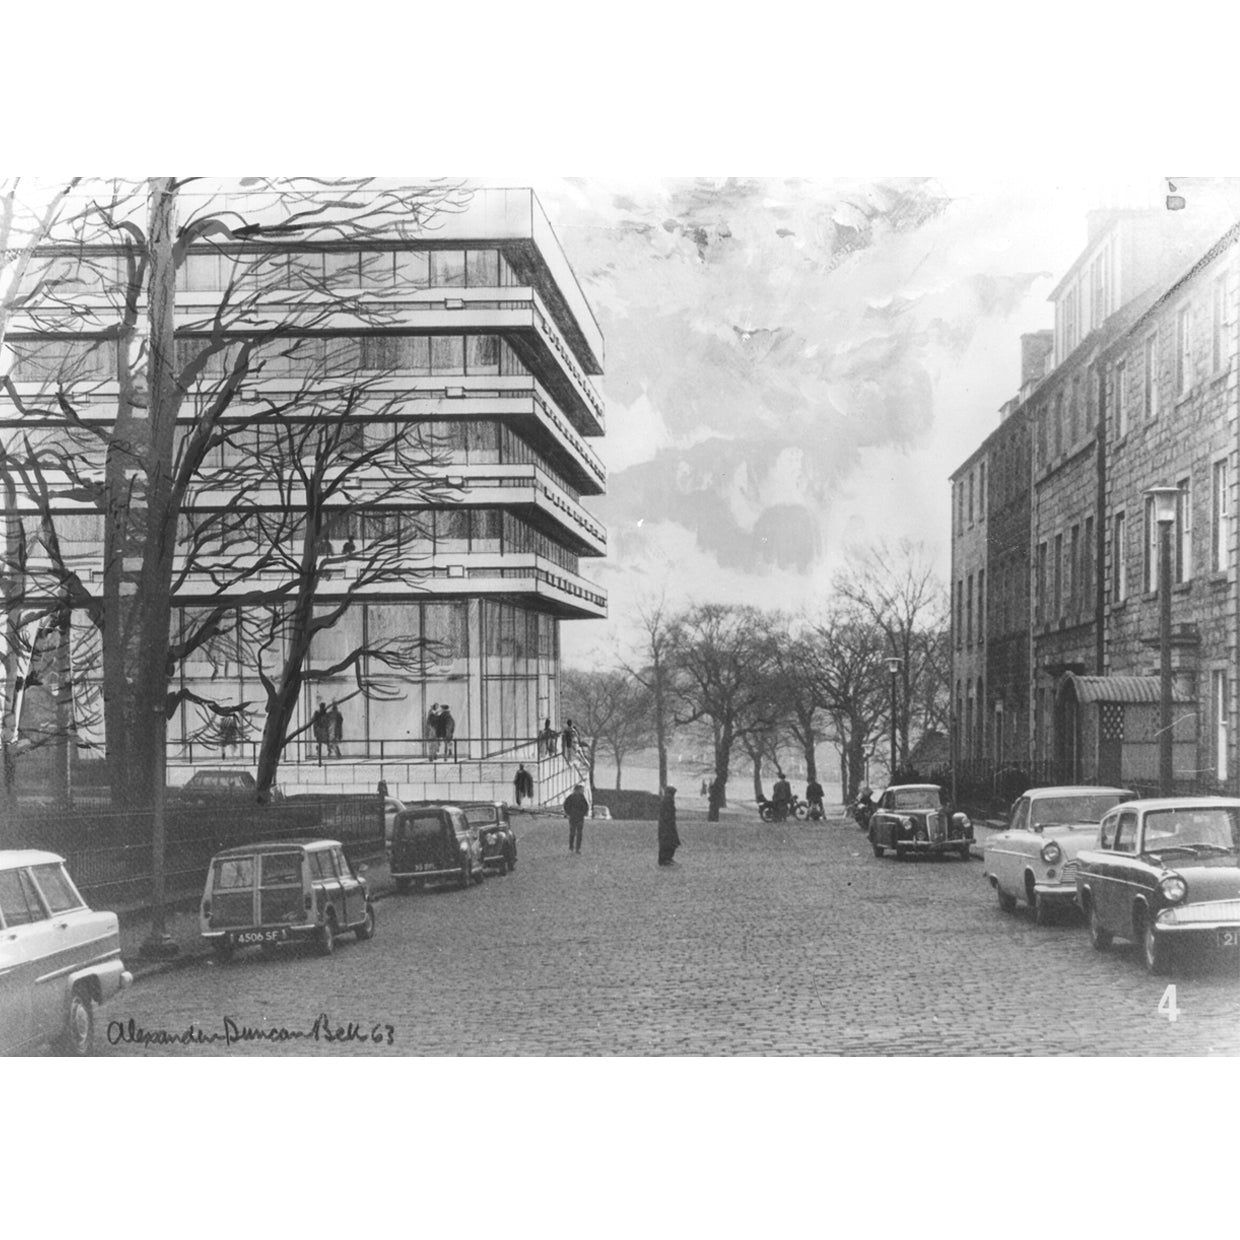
763, 940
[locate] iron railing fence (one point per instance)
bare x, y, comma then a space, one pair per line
111, 857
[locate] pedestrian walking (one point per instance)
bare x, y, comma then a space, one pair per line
576, 807
523, 785
320, 728
569, 738
447, 732
705, 788
669, 838
432, 731
335, 731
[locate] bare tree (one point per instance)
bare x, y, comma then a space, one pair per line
845, 661
721, 656
651, 668
897, 589
130, 242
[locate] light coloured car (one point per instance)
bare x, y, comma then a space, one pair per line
59, 959
1034, 858
1165, 872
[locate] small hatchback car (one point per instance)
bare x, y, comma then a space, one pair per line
58, 958
432, 842
1164, 872
913, 818
495, 834
262, 894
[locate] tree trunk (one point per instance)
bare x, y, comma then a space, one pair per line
723, 754
757, 777
617, 772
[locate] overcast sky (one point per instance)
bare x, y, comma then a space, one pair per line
796, 366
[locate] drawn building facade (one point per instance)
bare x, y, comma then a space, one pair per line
483, 340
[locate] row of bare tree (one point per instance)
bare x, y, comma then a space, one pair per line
761, 684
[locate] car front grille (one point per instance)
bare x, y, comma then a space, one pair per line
1207, 910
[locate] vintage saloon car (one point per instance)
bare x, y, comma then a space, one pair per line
431, 842
495, 834
914, 818
283, 891
1164, 872
1034, 859
58, 958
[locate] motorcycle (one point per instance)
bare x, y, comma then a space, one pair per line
796, 808
861, 812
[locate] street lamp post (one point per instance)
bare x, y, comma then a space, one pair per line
1165, 501
893, 670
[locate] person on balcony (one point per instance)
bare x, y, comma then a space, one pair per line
447, 732
335, 731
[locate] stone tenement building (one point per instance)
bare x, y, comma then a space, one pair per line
1140, 386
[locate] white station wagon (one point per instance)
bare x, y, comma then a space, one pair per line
58, 958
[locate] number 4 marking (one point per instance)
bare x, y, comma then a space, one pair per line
1167, 1004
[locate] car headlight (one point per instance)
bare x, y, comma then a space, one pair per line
1052, 854
1173, 888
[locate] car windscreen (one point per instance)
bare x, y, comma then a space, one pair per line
1213, 827
408, 825
915, 798
1059, 811
480, 817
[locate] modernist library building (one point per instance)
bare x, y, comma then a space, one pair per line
481, 341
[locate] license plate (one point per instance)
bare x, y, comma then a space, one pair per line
244, 937
424, 865
1229, 936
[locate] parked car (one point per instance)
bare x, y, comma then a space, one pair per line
1164, 872
431, 842
495, 834
213, 785
1034, 858
915, 818
284, 891
59, 959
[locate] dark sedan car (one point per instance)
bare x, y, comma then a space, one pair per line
914, 818
1164, 872
498, 839
216, 785
433, 842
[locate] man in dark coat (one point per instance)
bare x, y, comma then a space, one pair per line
321, 727
781, 797
335, 730
576, 807
447, 732
813, 795
669, 838
523, 784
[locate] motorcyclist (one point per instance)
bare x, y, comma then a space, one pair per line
781, 796
865, 805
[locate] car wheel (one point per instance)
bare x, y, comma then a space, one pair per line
402, 884
367, 929
78, 1038
1041, 911
965, 854
325, 942
1100, 938
467, 873
1155, 949
901, 853
512, 858
222, 949
502, 868
1007, 902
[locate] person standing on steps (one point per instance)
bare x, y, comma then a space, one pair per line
447, 732
432, 731
669, 837
335, 731
576, 807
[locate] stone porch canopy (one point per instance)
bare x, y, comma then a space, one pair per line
1128, 689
